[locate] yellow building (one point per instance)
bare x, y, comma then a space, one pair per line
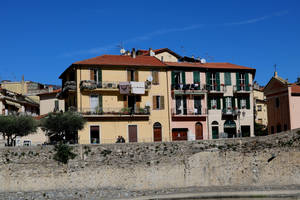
260, 106
119, 95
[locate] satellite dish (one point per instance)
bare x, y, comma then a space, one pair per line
150, 78
203, 60
122, 51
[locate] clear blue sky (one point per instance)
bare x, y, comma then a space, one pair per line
40, 39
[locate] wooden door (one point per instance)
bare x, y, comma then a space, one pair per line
132, 133
199, 131
178, 135
157, 134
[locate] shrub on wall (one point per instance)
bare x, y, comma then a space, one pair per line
63, 153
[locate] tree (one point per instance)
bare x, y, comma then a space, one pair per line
12, 126
260, 130
63, 127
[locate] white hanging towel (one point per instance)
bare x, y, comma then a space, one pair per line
137, 87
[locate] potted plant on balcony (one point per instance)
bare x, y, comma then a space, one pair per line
214, 106
125, 111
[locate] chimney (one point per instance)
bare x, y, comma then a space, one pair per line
133, 53
151, 52
50, 89
275, 74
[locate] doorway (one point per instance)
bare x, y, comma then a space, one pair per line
132, 103
179, 134
157, 132
230, 128
199, 131
132, 133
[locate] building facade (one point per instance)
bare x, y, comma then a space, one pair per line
260, 105
283, 104
156, 95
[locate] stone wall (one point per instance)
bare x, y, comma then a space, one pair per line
269, 160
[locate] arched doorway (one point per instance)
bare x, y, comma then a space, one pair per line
199, 131
230, 128
215, 130
157, 132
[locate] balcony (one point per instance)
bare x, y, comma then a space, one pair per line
216, 88
230, 111
188, 89
115, 112
105, 85
242, 89
188, 114
69, 86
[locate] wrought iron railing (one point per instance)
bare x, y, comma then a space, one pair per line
242, 88
190, 112
91, 85
114, 111
191, 86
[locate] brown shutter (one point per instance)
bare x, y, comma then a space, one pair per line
162, 102
92, 74
136, 76
154, 103
125, 101
138, 105
155, 77
128, 75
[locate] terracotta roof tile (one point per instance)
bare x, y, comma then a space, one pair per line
295, 88
208, 65
53, 92
122, 60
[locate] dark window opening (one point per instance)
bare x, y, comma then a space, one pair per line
277, 102
95, 135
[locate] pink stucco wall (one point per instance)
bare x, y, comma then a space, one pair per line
294, 102
191, 126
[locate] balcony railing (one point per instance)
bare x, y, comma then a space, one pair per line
230, 111
105, 85
114, 111
242, 88
189, 112
69, 85
216, 88
188, 88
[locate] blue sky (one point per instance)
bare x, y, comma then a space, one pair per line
40, 39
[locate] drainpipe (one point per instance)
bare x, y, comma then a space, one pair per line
168, 92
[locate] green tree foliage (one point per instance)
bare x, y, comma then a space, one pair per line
63, 127
63, 153
12, 126
260, 130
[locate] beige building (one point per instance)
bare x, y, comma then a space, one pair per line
260, 105
50, 103
119, 95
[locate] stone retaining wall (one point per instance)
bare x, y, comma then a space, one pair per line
269, 160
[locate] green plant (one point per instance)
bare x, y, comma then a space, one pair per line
63, 153
125, 110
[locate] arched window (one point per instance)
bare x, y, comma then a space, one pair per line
157, 132
215, 123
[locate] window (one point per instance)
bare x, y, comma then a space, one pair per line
243, 103
213, 103
259, 108
155, 78
228, 102
132, 75
227, 77
158, 103
242, 81
27, 143
277, 102
213, 81
56, 105
96, 75
181, 106
94, 134
197, 105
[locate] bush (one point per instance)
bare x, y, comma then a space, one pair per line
63, 153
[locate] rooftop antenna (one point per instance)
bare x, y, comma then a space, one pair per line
275, 72
121, 47
208, 57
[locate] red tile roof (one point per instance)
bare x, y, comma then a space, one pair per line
157, 51
122, 60
295, 88
208, 65
53, 92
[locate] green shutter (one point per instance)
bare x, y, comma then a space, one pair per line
238, 87
218, 103
218, 80
224, 103
208, 102
183, 77
239, 103
227, 78
173, 77
196, 76
248, 102
208, 80
100, 105
233, 102
99, 75
247, 81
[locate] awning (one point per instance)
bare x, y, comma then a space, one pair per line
13, 104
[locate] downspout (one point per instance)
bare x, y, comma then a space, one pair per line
169, 118
80, 93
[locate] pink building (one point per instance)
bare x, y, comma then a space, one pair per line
283, 104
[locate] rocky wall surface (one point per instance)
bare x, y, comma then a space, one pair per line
269, 160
